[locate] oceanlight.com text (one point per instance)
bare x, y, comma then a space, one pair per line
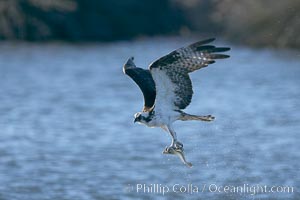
163, 189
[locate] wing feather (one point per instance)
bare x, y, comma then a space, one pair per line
176, 65
144, 80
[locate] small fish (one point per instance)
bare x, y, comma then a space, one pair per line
179, 153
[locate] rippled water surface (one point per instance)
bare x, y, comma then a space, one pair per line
67, 132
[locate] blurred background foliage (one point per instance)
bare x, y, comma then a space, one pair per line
256, 22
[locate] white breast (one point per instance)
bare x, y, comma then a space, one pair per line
164, 91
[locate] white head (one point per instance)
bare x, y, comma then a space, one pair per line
142, 117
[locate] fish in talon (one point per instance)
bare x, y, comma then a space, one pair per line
179, 153
178, 145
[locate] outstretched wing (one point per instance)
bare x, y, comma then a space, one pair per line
170, 72
144, 80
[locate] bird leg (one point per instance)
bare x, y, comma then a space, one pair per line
186, 117
207, 118
175, 143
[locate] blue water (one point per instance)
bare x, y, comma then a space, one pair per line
67, 132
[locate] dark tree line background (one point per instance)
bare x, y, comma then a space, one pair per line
256, 22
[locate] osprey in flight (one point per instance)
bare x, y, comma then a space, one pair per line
167, 87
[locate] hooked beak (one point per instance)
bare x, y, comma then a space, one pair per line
135, 120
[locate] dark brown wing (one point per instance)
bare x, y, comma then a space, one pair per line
144, 80
176, 65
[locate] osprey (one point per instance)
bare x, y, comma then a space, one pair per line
167, 87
